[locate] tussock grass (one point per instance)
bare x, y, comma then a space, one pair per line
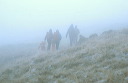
103, 59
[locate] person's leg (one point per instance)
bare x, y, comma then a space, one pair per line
75, 39
57, 45
53, 46
70, 38
70, 42
49, 45
48, 48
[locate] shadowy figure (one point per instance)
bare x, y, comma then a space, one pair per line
77, 32
49, 37
42, 46
72, 34
58, 38
54, 42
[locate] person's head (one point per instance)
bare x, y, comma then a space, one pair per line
54, 32
50, 30
71, 26
57, 31
76, 27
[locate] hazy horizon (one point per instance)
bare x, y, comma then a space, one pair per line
27, 21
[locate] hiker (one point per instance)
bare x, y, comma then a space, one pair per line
71, 33
77, 32
54, 42
58, 38
42, 46
49, 37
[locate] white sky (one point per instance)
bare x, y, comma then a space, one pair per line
23, 21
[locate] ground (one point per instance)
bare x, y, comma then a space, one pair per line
103, 59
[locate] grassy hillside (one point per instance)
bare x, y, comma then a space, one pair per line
12, 53
102, 59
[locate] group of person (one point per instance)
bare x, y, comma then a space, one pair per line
73, 33
53, 39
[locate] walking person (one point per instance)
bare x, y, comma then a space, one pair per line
49, 37
77, 32
58, 39
71, 33
54, 42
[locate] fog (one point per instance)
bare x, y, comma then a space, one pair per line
27, 21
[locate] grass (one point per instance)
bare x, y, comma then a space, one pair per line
103, 59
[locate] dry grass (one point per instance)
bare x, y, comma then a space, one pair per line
100, 60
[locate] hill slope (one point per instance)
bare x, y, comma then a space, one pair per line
102, 59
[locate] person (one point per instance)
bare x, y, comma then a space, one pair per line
42, 46
71, 33
54, 42
77, 32
49, 37
58, 38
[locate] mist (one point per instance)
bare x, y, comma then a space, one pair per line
98, 54
28, 21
